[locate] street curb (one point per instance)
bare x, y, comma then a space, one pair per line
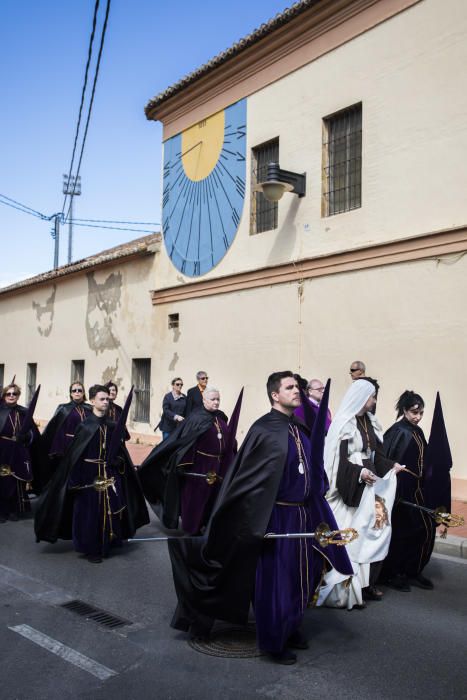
452, 546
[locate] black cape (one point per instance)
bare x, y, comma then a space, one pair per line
54, 511
158, 473
214, 575
32, 442
48, 462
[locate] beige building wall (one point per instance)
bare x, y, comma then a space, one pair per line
408, 72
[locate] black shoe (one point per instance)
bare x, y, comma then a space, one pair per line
13, 517
297, 641
358, 606
422, 582
286, 657
400, 583
372, 593
94, 559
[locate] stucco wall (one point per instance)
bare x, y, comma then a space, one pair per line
407, 72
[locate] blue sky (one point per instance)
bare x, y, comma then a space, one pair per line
43, 48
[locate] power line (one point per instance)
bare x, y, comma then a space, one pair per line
21, 207
112, 221
86, 72
96, 74
114, 228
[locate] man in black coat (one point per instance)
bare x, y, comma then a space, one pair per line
194, 396
90, 499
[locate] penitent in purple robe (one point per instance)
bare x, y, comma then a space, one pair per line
300, 413
287, 571
15, 468
197, 495
96, 513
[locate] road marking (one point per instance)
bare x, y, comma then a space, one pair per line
64, 652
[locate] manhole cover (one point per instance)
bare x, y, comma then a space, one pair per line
234, 642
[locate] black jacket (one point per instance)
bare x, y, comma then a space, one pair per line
171, 407
194, 399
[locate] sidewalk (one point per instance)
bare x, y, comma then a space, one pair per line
455, 544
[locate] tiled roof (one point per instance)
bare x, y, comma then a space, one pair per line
139, 246
267, 28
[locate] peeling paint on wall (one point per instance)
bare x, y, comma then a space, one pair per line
45, 313
173, 362
110, 375
103, 301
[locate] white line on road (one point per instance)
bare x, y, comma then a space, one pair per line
64, 652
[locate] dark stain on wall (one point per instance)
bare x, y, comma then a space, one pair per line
173, 362
110, 375
45, 313
103, 302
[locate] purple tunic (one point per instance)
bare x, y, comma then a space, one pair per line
96, 513
15, 468
197, 495
287, 571
65, 434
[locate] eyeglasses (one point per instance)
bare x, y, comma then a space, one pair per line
76, 391
11, 393
319, 388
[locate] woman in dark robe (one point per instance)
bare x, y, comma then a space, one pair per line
413, 531
60, 430
16, 474
114, 409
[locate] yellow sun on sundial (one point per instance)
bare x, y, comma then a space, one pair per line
202, 145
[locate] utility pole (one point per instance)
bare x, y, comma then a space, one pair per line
56, 237
71, 186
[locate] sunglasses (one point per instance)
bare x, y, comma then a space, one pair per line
76, 391
354, 369
178, 384
11, 393
201, 379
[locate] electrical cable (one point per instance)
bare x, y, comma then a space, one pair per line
21, 207
115, 228
113, 221
96, 74
86, 72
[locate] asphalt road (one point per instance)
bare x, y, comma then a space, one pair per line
411, 645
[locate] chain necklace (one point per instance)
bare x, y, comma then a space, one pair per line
293, 430
364, 425
218, 428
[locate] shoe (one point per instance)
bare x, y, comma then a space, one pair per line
13, 517
358, 606
297, 641
400, 583
422, 582
372, 593
94, 559
286, 657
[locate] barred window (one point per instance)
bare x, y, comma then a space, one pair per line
2, 375
141, 379
263, 213
174, 321
342, 161
31, 380
77, 371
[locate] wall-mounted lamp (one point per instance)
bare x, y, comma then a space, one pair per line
279, 181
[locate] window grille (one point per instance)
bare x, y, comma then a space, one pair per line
342, 161
77, 371
174, 321
264, 214
141, 379
31, 380
2, 375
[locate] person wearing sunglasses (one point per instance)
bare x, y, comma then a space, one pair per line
16, 468
60, 430
173, 408
357, 370
194, 396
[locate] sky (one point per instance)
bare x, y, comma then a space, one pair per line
149, 45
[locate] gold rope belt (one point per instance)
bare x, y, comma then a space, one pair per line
95, 461
288, 503
11, 439
206, 454
6, 470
